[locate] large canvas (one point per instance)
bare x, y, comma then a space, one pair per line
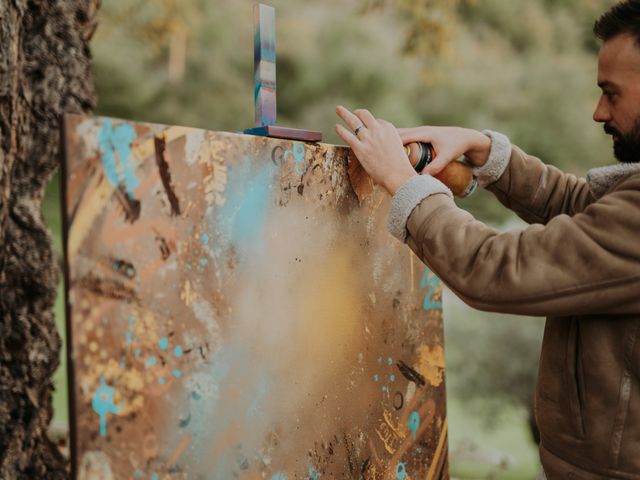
235, 313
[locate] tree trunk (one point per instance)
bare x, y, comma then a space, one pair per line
44, 71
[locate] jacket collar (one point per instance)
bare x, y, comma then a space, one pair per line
601, 179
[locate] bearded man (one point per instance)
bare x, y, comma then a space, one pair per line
578, 263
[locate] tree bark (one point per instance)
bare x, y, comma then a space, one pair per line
44, 71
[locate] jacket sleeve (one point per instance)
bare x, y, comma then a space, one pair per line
585, 264
536, 192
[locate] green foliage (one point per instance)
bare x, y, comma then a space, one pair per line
524, 68
491, 359
429, 24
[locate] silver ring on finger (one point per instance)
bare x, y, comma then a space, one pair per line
360, 127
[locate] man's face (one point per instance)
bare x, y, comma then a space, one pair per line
619, 105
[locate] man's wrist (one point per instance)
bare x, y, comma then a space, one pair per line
395, 181
479, 148
498, 160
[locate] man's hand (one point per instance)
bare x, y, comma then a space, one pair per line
377, 146
449, 144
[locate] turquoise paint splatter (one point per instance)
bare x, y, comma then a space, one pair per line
177, 351
137, 473
313, 475
431, 281
392, 378
279, 476
401, 471
117, 140
414, 423
161, 380
243, 217
376, 377
177, 373
137, 353
151, 361
389, 361
154, 476
102, 404
205, 239
298, 155
164, 343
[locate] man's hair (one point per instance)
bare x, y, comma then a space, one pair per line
624, 17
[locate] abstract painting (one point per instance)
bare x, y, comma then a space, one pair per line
234, 312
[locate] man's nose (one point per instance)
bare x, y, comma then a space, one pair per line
602, 113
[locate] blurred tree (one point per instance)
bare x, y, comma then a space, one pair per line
44, 71
430, 24
162, 25
526, 69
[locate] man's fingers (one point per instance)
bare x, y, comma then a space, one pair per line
437, 165
408, 135
349, 138
352, 121
367, 119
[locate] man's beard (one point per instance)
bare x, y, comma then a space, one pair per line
627, 147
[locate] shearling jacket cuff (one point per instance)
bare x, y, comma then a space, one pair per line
498, 159
408, 197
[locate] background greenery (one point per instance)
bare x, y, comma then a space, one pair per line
525, 68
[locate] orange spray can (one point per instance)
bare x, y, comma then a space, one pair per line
458, 176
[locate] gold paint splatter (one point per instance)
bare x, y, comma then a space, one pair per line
215, 179
400, 432
391, 435
215, 184
187, 295
431, 364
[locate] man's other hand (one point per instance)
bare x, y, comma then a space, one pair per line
449, 144
378, 147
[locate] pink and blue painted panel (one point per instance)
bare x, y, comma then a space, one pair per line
235, 312
264, 61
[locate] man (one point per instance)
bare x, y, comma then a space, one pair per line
578, 262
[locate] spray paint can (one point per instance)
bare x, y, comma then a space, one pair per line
458, 176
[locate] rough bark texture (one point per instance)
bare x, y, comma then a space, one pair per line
44, 71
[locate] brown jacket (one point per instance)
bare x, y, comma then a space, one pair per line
578, 263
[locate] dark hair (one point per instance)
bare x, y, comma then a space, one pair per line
624, 17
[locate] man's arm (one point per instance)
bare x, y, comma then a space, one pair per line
535, 191
585, 264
